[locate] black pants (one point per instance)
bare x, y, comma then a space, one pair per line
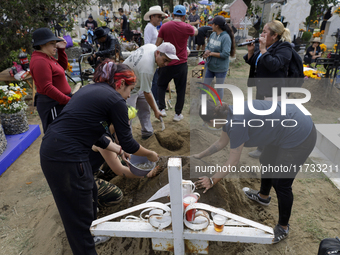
179, 74
73, 186
282, 181
47, 108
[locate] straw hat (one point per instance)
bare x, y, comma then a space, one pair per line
152, 11
317, 40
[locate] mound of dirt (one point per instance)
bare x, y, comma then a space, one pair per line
226, 194
324, 96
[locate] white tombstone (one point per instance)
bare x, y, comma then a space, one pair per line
266, 12
275, 9
126, 8
295, 12
226, 8
132, 15
333, 24
116, 4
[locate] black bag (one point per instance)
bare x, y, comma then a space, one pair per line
329, 246
295, 70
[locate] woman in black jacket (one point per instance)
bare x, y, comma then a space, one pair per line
271, 60
269, 63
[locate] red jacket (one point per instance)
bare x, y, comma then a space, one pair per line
49, 75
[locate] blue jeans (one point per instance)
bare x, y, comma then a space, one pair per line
220, 77
191, 40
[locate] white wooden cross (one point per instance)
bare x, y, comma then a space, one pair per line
176, 238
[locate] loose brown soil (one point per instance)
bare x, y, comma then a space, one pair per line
30, 223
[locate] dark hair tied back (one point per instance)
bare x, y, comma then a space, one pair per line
215, 112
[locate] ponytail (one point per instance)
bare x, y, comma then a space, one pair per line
276, 27
232, 38
285, 37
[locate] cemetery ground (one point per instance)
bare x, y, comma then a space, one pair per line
30, 223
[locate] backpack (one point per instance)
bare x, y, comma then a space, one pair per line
295, 70
329, 246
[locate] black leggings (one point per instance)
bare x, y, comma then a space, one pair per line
281, 181
74, 191
179, 74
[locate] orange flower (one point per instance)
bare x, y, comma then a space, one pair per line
25, 93
9, 101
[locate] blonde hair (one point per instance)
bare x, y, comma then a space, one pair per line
276, 27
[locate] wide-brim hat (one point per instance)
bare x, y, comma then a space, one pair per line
100, 32
43, 35
152, 11
316, 39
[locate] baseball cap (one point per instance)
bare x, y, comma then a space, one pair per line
180, 10
218, 20
168, 49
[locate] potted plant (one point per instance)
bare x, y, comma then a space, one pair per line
12, 109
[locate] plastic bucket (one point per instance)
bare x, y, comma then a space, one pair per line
136, 160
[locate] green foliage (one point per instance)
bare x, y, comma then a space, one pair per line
317, 8
18, 19
134, 24
145, 5
306, 36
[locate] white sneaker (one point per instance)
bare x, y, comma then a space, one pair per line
178, 117
255, 154
163, 112
100, 239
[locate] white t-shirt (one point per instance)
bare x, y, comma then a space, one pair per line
142, 62
150, 34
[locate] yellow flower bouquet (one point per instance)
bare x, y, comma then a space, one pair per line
337, 11
314, 74
224, 14
323, 47
12, 98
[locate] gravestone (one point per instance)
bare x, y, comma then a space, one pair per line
275, 9
331, 27
295, 12
238, 10
126, 8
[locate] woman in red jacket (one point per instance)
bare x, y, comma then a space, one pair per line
53, 90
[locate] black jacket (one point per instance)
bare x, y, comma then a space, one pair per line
273, 64
107, 48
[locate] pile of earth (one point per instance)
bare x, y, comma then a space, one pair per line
226, 194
